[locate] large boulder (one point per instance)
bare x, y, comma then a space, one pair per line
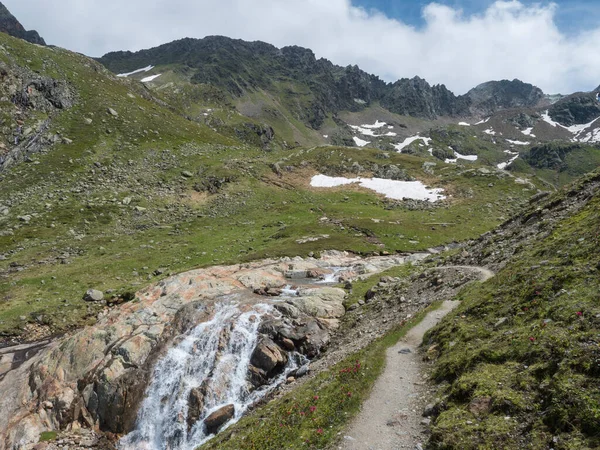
219, 418
93, 295
269, 357
326, 303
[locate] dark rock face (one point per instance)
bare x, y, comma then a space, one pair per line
10, 25
492, 96
576, 109
415, 97
523, 120
30, 92
551, 155
320, 87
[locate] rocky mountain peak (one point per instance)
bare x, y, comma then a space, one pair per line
504, 94
416, 97
10, 25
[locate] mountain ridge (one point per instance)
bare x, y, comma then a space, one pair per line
236, 65
10, 25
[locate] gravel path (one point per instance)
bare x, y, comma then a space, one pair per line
391, 418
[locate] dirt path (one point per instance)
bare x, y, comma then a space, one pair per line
391, 418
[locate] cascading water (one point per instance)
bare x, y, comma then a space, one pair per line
215, 356
332, 277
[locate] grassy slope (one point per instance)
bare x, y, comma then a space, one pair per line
540, 365
83, 234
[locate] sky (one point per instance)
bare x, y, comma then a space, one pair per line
459, 43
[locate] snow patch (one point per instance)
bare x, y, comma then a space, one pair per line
464, 124
458, 156
150, 78
591, 137
528, 132
393, 189
410, 140
377, 124
360, 142
517, 142
578, 129
504, 165
546, 118
490, 131
369, 130
143, 69
483, 121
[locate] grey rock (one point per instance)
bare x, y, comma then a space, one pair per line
93, 295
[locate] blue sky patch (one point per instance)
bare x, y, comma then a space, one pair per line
572, 16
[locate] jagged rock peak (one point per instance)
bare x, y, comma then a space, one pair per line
10, 25
495, 95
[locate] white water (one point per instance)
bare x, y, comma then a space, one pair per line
197, 359
334, 276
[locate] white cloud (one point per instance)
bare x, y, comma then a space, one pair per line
508, 40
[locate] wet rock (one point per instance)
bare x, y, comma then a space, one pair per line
295, 274
302, 371
219, 418
315, 273
195, 405
93, 295
256, 376
269, 357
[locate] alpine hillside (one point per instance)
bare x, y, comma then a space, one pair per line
220, 244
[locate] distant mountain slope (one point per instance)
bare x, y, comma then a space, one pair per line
10, 25
238, 67
314, 89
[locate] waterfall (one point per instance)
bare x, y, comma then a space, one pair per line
332, 278
213, 356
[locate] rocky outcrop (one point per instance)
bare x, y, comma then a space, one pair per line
415, 97
575, 109
10, 25
97, 377
487, 98
30, 93
392, 172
